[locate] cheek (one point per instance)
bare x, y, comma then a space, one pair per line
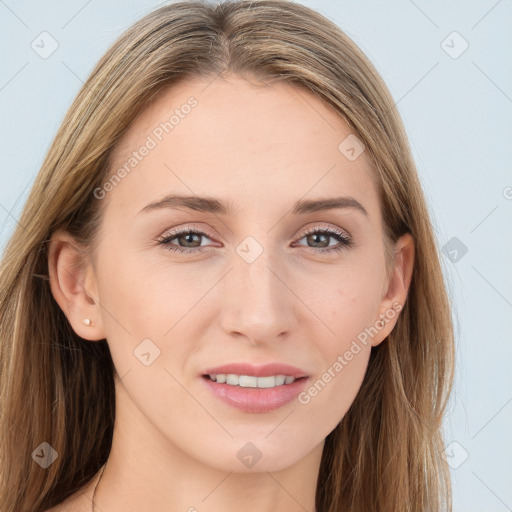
346, 302
147, 298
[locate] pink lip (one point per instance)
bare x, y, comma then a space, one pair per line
265, 370
256, 400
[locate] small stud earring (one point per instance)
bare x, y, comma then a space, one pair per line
87, 321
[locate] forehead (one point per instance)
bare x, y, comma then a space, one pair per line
241, 141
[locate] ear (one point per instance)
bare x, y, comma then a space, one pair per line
395, 291
73, 285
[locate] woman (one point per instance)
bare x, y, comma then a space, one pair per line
224, 290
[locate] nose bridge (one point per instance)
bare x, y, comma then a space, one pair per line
257, 303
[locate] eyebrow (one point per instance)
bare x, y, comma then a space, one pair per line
211, 205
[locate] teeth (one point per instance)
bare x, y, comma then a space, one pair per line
245, 381
249, 381
232, 379
280, 379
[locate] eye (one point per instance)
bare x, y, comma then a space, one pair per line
315, 236
187, 236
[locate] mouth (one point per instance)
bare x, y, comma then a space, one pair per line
254, 389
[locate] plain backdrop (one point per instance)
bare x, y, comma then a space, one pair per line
449, 68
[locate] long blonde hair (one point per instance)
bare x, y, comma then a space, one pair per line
386, 454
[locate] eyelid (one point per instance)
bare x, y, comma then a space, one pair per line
187, 228
340, 231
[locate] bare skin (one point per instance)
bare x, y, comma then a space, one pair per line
259, 149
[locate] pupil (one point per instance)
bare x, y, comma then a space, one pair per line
316, 235
188, 236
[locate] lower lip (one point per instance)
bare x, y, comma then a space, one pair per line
256, 400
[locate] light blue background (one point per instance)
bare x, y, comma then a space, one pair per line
457, 114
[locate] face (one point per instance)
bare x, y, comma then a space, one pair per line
258, 273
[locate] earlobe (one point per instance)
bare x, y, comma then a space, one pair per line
395, 296
73, 286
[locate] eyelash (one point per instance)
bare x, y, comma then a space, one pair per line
342, 238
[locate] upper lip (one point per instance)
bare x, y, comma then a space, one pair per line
265, 370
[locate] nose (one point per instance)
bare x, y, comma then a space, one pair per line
256, 302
